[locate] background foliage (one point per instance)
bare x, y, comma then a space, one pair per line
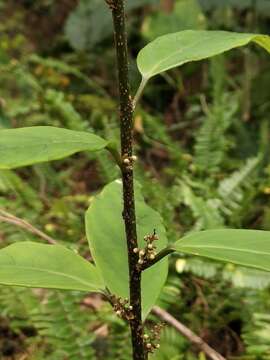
202, 138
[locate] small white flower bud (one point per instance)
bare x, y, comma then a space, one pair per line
134, 158
152, 257
135, 250
140, 262
118, 312
149, 346
150, 246
145, 336
157, 346
126, 161
130, 307
142, 253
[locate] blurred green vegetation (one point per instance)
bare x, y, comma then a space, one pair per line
202, 138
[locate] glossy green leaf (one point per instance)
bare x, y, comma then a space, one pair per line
36, 265
106, 236
249, 248
31, 145
169, 51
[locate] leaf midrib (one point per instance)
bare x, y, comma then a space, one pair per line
223, 248
52, 142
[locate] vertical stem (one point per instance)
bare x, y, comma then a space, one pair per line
126, 115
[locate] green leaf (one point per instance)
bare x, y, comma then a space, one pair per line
107, 241
169, 51
186, 14
32, 145
36, 265
90, 23
249, 248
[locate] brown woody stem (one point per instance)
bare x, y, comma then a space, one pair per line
126, 116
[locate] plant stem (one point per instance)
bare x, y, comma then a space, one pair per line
11, 219
165, 252
139, 92
113, 150
126, 127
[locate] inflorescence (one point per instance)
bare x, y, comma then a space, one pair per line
148, 253
151, 341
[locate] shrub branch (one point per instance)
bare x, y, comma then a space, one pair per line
126, 117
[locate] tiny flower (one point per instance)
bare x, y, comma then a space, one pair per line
135, 250
126, 161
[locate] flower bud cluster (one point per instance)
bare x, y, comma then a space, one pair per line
151, 341
122, 308
148, 253
128, 161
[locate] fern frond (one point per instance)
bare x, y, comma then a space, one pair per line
58, 320
211, 143
65, 326
56, 104
10, 182
17, 304
246, 278
257, 336
205, 212
201, 268
233, 189
119, 343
